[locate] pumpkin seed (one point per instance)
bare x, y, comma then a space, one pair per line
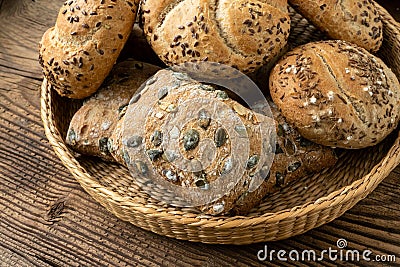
228, 165
204, 119
218, 207
110, 145
103, 145
126, 157
207, 88
154, 154
293, 167
280, 179
170, 175
222, 94
290, 147
181, 76
252, 162
135, 98
156, 138
278, 149
191, 139
71, 137
134, 141
241, 130
151, 81
202, 184
121, 108
220, 137
162, 92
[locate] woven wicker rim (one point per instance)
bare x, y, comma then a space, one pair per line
323, 210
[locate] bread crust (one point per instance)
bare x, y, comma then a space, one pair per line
242, 34
92, 125
336, 94
80, 50
357, 22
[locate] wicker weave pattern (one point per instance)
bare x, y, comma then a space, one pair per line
306, 204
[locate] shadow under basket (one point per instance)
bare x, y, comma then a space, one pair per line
303, 205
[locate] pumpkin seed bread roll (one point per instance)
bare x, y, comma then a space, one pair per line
191, 135
241, 34
355, 21
80, 50
93, 124
337, 94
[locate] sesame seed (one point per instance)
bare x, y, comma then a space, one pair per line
109, 17
98, 24
84, 25
93, 13
120, 36
65, 11
73, 33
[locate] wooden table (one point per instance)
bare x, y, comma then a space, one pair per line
47, 219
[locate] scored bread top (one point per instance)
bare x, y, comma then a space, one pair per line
336, 94
242, 34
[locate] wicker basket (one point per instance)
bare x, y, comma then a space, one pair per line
304, 205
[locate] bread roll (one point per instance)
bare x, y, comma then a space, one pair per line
242, 34
77, 54
295, 157
354, 21
336, 94
93, 124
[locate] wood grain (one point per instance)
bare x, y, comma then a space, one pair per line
46, 219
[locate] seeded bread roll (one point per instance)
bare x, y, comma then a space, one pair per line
336, 94
242, 34
78, 53
175, 133
92, 125
294, 158
355, 21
